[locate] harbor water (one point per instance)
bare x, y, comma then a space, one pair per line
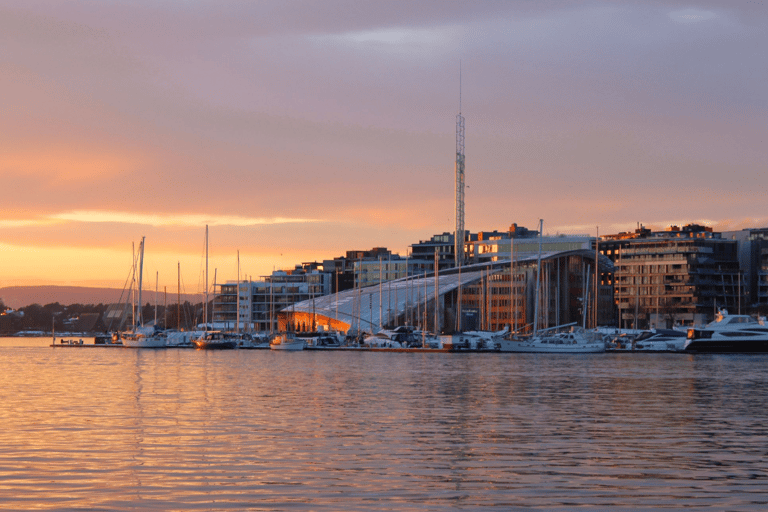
141, 429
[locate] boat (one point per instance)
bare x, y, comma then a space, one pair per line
575, 340
325, 340
286, 341
729, 334
249, 341
216, 340
474, 341
144, 338
655, 340
139, 336
212, 340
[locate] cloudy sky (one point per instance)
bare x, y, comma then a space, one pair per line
298, 130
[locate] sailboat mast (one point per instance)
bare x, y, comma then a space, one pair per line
437, 291
597, 271
141, 270
538, 281
237, 314
512, 291
178, 295
205, 306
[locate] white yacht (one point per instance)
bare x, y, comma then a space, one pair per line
729, 334
655, 340
474, 341
575, 341
139, 339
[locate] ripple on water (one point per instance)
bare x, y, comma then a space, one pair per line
187, 430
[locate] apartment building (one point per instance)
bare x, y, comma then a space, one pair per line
677, 276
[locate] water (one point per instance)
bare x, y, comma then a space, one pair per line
121, 429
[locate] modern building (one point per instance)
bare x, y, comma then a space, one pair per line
678, 276
472, 297
753, 261
371, 272
443, 245
261, 301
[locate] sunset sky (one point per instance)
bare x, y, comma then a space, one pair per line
298, 130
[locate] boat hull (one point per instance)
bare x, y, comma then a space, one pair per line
734, 345
148, 342
288, 345
544, 348
215, 345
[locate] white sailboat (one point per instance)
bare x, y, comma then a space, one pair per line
212, 340
142, 337
566, 339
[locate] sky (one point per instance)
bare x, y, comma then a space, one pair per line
298, 130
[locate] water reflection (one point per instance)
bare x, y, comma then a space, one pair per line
181, 429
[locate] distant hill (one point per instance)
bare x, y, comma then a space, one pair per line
19, 296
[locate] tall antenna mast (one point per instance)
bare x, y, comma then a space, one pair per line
459, 235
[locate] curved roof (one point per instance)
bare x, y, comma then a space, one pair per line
361, 306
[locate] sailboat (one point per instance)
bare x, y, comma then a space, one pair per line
212, 340
564, 339
142, 337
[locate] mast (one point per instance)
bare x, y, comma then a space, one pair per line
134, 318
437, 291
586, 299
597, 271
512, 290
237, 315
389, 291
205, 306
538, 281
141, 270
178, 295
157, 278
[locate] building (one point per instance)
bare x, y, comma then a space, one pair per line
443, 245
753, 261
472, 297
370, 272
261, 301
677, 276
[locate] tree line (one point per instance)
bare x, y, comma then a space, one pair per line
36, 317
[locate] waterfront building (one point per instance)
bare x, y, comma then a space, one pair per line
369, 272
677, 276
477, 296
443, 245
261, 301
753, 261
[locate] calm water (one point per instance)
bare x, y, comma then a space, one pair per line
122, 429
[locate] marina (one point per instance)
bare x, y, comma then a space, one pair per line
365, 430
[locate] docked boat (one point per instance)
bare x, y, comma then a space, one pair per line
250, 341
139, 338
575, 341
729, 334
326, 340
286, 341
655, 340
400, 337
474, 341
215, 340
